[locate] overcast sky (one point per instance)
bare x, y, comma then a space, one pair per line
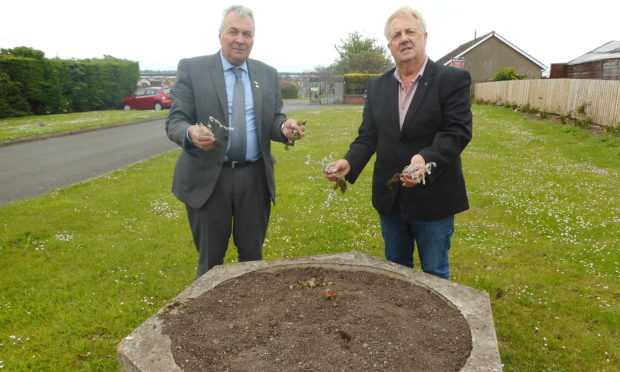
296, 36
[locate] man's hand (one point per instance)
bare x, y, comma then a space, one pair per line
337, 169
409, 180
291, 127
202, 141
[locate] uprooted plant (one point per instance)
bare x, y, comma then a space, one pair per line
296, 135
207, 130
326, 166
413, 170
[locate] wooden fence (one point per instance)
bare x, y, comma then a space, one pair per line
559, 96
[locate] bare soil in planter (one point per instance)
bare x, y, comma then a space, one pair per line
317, 319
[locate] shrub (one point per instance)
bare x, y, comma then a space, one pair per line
356, 83
581, 109
508, 73
480, 101
289, 90
614, 130
584, 123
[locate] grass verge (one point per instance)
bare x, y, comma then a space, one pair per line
84, 265
17, 128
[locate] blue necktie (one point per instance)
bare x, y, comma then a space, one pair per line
238, 136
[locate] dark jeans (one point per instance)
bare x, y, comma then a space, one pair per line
401, 233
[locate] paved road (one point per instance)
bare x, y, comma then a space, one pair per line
34, 168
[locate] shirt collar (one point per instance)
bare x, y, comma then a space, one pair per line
229, 66
397, 72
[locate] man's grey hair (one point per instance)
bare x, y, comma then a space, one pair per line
240, 10
404, 11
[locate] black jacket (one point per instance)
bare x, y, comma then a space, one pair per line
438, 126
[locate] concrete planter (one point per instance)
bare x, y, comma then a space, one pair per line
148, 349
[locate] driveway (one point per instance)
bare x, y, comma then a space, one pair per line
32, 169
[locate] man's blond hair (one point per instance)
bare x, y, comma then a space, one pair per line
404, 11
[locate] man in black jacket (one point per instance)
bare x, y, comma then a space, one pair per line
417, 116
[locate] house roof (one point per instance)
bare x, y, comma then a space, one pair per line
463, 49
609, 50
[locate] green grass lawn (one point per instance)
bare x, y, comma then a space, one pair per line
12, 129
84, 265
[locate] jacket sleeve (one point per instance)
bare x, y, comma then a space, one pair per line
183, 111
365, 145
279, 117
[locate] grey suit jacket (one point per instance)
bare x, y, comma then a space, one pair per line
200, 92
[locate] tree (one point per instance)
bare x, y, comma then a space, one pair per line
508, 73
23, 52
359, 54
324, 73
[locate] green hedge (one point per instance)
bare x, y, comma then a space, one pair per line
289, 90
31, 84
32, 87
12, 100
98, 84
356, 83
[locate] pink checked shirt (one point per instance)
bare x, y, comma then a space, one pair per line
405, 94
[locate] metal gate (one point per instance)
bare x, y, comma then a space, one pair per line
328, 92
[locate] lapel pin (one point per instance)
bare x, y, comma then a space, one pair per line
256, 84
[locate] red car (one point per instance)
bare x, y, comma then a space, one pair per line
148, 99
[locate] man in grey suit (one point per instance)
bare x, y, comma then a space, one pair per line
225, 176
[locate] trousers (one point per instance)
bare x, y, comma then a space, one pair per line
240, 205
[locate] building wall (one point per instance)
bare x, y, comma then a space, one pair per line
485, 61
611, 69
589, 70
558, 71
606, 70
